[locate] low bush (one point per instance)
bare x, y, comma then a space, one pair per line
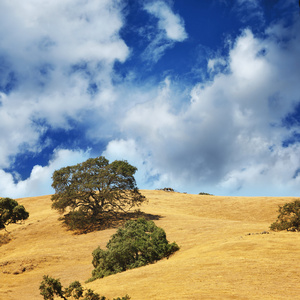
288, 218
51, 288
139, 243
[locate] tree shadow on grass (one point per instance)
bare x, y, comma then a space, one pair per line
82, 224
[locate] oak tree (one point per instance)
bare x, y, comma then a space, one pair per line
288, 218
11, 212
95, 188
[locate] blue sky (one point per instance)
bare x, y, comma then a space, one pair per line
199, 95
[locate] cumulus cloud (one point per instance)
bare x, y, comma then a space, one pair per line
135, 155
39, 182
230, 137
225, 135
57, 63
68, 31
279, 170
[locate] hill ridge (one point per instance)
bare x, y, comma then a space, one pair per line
218, 258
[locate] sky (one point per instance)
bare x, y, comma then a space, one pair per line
199, 95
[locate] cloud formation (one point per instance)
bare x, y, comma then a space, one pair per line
39, 182
222, 133
172, 24
170, 30
55, 56
229, 139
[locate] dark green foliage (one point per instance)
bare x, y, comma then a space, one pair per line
93, 189
205, 194
74, 290
139, 243
79, 220
90, 295
11, 212
51, 288
288, 218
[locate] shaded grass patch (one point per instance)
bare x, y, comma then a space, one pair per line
81, 223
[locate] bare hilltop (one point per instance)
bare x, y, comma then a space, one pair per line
226, 251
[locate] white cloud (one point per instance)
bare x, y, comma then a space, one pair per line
170, 30
15, 127
129, 150
229, 138
224, 137
214, 65
171, 23
276, 175
39, 182
54, 51
67, 31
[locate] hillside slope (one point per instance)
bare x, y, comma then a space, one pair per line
223, 254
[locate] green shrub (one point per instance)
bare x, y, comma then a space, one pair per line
51, 287
74, 290
11, 212
139, 243
288, 218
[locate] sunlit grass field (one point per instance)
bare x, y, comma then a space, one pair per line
226, 252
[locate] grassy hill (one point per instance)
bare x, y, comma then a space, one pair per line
224, 253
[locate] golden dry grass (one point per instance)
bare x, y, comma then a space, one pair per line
223, 254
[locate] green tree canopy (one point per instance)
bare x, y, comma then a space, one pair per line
11, 212
96, 187
51, 287
139, 243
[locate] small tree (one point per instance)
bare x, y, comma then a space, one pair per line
95, 188
11, 212
74, 290
139, 243
51, 287
288, 218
